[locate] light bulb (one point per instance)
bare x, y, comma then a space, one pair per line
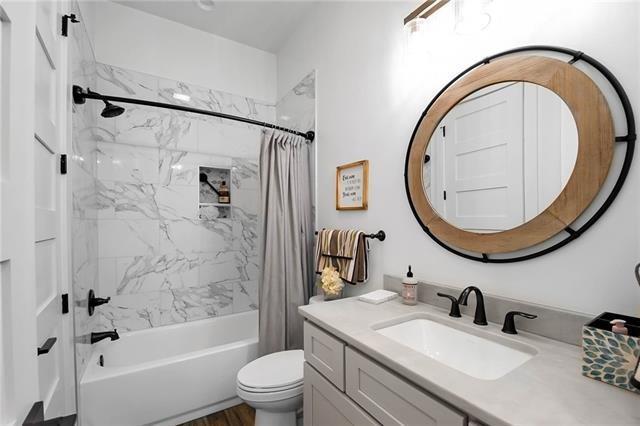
471, 16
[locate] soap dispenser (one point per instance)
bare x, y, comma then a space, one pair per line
409, 289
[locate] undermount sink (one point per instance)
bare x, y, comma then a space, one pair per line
486, 358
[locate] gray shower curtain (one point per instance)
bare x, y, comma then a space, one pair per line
286, 236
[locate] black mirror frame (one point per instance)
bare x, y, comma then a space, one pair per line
629, 139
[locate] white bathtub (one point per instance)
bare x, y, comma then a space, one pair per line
168, 375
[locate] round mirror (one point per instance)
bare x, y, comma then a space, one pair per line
500, 157
508, 155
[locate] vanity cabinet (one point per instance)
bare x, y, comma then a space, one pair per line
344, 387
324, 404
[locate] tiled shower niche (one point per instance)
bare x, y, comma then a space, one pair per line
209, 205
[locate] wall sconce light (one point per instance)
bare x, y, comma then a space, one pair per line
425, 10
471, 16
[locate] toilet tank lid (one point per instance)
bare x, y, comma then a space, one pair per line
275, 370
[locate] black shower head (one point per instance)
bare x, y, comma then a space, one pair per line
110, 110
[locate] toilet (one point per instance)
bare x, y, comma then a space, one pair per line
273, 384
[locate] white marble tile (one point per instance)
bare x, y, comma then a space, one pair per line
297, 108
155, 127
228, 140
204, 302
107, 281
195, 236
219, 267
130, 312
245, 175
182, 167
121, 200
143, 274
116, 81
245, 296
127, 163
178, 202
120, 237
139, 125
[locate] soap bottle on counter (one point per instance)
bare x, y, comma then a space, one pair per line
618, 326
409, 289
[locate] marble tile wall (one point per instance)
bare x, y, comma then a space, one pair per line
158, 260
82, 172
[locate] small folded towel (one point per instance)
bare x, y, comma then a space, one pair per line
346, 251
378, 296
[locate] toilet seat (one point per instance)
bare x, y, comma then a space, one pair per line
269, 396
274, 377
276, 372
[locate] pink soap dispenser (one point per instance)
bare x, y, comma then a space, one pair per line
409, 289
618, 326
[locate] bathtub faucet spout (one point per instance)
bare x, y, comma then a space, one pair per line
96, 337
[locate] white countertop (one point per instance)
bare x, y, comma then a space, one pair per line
549, 389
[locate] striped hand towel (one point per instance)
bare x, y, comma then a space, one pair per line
346, 251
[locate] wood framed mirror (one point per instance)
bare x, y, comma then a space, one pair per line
511, 153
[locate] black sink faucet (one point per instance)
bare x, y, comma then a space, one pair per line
480, 317
96, 337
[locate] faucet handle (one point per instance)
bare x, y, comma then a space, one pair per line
509, 325
455, 307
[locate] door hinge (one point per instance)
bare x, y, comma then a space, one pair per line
444, 193
65, 23
444, 131
65, 303
63, 164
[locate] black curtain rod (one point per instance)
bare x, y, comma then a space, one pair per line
80, 96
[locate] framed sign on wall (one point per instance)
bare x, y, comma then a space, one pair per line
352, 181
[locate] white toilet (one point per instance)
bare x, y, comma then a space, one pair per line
273, 384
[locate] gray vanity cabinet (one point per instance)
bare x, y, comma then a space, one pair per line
390, 399
344, 387
325, 405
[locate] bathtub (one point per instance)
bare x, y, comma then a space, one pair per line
168, 375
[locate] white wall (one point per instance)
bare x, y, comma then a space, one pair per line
369, 100
135, 40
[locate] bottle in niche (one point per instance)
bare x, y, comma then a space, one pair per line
224, 196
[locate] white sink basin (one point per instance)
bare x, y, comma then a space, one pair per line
479, 357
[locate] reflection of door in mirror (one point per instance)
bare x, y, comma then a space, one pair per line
500, 157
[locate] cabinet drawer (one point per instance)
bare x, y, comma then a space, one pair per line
390, 399
324, 405
325, 353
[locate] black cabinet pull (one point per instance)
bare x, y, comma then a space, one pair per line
44, 349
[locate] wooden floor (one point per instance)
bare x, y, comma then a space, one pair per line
240, 415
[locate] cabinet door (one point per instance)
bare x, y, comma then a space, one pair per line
324, 405
325, 353
390, 399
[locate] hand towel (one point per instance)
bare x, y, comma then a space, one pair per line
346, 251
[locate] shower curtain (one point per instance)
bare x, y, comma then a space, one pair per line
286, 231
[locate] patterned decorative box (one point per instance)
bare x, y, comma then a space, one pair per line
611, 357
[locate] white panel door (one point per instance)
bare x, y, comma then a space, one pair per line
18, 359
483, 148
46, 154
